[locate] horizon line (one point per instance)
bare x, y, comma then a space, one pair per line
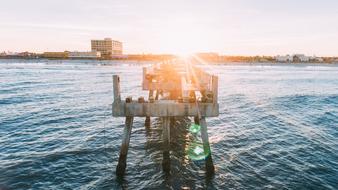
178, 54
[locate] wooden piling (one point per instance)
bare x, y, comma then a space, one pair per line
215, 89
150, 99
196, 120
206, 146
151, 94
147, 122
157, 94
116, 86
121, 166
166, 144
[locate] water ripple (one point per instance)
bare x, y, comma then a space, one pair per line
277, 129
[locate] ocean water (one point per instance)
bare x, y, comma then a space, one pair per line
277, 129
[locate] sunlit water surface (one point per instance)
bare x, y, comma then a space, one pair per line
277, 129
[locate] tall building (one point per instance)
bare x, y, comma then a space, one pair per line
107, 47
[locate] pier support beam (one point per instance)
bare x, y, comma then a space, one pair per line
121, 166
150, 99
116, 88
166, 144
209, 165
196, 120
147, 122
157, 94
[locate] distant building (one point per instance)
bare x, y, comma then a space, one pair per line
316, 59
58, 55
117, 48
286, 58
26, 54
85, 55
296, 58
319, 59
301, 58
107, 47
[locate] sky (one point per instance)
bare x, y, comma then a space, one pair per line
229, 27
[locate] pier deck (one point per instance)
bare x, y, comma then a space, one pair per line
175, 89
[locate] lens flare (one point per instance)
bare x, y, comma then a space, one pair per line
194, 128
195, 149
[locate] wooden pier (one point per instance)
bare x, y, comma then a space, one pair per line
175, 88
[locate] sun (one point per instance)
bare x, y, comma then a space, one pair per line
183, 39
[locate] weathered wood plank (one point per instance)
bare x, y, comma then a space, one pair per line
164, 108
116, 88
202, 80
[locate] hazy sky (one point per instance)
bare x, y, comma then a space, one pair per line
249, 27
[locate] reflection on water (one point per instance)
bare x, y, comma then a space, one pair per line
277, 129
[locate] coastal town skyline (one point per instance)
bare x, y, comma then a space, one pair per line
226, 27
111, 49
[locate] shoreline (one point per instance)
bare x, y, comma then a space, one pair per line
143, 62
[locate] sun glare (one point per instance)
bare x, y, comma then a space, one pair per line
185, 56
184, 38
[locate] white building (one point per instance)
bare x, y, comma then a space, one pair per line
89, 55
294, 58
316, 59
285, 58
301, 58
319, 59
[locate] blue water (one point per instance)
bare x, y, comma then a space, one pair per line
277, 129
